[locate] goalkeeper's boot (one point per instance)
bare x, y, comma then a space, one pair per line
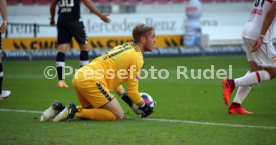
236, 108
228, 87
62, 84
5, 94
52, 111
67, 113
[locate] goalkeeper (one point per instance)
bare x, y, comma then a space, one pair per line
93, 82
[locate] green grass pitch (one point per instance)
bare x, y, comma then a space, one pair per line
178, 101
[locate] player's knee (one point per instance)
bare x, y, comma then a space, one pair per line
272, 75
62, 48
253, 66
253, 69
83, 47
272, 72
120, 116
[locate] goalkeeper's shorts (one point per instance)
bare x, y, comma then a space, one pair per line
90, 92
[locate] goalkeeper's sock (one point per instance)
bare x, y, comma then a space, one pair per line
1, 77
96, 114
84, 59
60, 63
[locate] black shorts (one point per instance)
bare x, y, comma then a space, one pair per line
67, 30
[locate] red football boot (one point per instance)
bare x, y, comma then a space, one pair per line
236, 108
228, 87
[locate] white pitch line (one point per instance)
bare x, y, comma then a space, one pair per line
170, 121
21, 111
211, 123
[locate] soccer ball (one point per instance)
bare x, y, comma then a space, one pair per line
148, 99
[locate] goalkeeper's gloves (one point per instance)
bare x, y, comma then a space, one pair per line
147, 110
135, 109
125, 97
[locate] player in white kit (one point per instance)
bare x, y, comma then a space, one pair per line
261, 55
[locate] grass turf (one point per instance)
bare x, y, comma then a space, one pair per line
177, 99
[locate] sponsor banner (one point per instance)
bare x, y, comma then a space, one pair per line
93, 42
110, 42
74, 53
29, 43
216, 25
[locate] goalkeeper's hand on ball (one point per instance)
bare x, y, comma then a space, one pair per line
146, 109
134, 107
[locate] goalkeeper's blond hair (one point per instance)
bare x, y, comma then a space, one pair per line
140, 30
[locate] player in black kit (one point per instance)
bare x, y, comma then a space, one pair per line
69, 24
3, 27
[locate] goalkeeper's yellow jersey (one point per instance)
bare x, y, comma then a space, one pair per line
122, 64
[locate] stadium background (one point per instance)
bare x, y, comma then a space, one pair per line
188, 111
29, 35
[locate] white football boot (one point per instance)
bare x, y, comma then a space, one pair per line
67, 113
5, 94
52, 111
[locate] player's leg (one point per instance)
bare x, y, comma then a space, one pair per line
265, 57
84, 58
271, 71
110, 112
107, 113
102, 104
77, 29
247, 81
71, 110
115, 107
64, 39
6, 93
60, 65
250, 79
105, 105
243, 91
96, 101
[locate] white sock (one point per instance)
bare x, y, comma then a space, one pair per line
252, 78
84, 62
242, 92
